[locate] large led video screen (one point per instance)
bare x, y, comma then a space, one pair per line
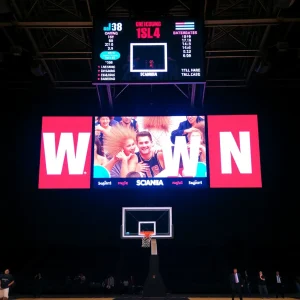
150, 151
106, 152
148, 51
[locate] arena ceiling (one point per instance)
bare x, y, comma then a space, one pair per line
247, 42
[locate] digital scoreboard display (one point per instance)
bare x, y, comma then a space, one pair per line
148, 51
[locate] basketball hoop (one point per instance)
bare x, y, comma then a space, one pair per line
146, 240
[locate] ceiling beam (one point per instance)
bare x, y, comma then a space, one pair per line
208, 23
90, 58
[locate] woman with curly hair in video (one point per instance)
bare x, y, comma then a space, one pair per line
120, 144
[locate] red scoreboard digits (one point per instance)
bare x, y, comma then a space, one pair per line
148, 30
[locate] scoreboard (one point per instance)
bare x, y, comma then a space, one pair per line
148, 51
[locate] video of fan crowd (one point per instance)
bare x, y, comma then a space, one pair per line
150, 151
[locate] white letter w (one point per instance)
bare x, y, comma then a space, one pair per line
75, 158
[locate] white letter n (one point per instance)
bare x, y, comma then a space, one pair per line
242, 156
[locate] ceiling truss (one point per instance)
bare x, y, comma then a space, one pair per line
59, 35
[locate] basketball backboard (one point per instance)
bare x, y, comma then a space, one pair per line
135, 220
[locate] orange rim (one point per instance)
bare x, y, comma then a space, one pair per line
147, 234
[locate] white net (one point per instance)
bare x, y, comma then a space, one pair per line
146, 241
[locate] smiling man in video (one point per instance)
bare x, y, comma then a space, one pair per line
147, 160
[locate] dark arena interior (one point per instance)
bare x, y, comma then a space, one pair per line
60, 234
